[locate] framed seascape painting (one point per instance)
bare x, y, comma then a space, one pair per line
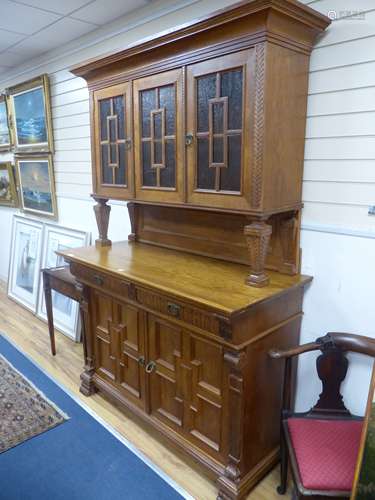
25, 255
8, 189
65, 310
30, 111
37, 185
5, 133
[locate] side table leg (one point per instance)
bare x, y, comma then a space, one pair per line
48, 301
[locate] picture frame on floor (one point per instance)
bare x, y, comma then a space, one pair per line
36, 182
65, 310
8, 187
31, 118
25, 258
5, 130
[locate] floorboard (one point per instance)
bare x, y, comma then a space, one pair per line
30, 334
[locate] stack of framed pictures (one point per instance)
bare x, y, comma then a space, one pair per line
34, 246
26, 128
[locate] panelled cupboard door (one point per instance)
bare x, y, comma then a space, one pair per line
114, 170
119, 346
158, 130
186, 384
219, 102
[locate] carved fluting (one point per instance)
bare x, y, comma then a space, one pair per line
288, 234
236, 362
259, 110
131, 210
258, 235
87, 387
102, 211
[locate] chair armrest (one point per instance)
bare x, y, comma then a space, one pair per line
295, 351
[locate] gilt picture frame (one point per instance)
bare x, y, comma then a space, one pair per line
30, 116
8, 187
6, 141
36, 182
65, 310
24, 265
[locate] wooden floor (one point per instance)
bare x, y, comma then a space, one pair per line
31, 335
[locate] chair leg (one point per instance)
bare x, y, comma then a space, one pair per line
281, 489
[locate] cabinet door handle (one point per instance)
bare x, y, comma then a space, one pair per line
98, 280
128, 144
150, 366
189, 139
141, 360
173, 309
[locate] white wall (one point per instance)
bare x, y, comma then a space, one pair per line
338, 235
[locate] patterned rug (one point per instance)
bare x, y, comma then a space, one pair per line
24, 411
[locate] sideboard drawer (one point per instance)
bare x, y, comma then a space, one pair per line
179, 310
101, 280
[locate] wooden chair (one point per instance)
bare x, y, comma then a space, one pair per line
322, 443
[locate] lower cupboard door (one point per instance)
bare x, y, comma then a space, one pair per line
186, 384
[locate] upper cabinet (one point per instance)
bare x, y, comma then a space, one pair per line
113, 176
159, 140
211, 114
218, 130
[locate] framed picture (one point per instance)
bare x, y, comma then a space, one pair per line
8, 190
65, 310
30, 111
24, 267
5, 132
364, 478
37, 185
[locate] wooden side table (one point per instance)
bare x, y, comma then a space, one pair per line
61, 280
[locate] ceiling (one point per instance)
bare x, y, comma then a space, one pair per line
28, 28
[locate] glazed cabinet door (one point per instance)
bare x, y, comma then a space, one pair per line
158, 130
218, 133
119, 346
113, 172
186, 384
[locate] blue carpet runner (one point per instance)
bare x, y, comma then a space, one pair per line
78, 460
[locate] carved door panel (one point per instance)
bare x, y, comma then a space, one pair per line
158, 130
119, 345
186, 384
113, 172
165, 351
218, 114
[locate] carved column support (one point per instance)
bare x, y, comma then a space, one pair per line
87, 387
228, 483
131, 209
258, 235
102, 211
289, 232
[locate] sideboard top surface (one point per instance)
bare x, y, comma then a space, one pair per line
210, 282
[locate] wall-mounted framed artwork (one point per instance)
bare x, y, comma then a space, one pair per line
24, 266
37, 185
5, 131
8, 189
65, 310
30, 112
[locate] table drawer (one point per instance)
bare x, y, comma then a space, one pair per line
178, 310
100, 280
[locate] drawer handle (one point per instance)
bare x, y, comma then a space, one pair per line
98, 280
173, 309
141, 361
150, 366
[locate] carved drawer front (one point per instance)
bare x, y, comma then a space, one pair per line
119, 345
179, 310
101, 280
186, 384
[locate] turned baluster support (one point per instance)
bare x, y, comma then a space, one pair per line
258, 235
102, 211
